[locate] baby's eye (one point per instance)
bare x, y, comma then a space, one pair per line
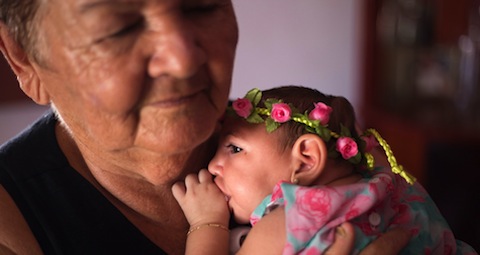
234, 149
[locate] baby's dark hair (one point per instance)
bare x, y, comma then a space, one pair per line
303, 99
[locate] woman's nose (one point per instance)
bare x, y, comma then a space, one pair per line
177, 51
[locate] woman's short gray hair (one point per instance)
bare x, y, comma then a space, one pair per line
19, 17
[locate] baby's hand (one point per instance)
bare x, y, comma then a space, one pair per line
201, 200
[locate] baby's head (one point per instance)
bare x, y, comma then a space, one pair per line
292, 134
262, 144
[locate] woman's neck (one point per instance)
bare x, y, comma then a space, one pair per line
142, 192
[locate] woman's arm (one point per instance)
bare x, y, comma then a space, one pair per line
15, 235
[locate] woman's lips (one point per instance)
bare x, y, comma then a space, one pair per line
174, 101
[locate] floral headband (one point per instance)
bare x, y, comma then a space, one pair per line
316, 122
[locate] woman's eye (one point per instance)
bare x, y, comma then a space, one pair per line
127, 29
202, 8
234, 149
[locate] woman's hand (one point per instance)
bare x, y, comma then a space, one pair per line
201, 200
390, 243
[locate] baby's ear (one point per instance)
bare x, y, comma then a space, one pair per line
310, 154
22, 66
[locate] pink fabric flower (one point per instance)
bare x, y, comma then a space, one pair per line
281, 112
243, 107
321, 112
314, 203
347, 147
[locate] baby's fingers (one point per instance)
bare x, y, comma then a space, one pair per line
191, 181
204, 176
178, 191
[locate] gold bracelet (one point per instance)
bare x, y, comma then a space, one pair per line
215, 225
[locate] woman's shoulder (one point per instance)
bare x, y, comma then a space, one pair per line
35, 147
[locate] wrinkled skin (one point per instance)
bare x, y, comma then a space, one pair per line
137, 80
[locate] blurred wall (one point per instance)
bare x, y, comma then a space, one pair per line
309, 42
16, 116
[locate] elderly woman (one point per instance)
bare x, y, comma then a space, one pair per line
136, 90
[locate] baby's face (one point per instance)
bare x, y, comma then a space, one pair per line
247, 165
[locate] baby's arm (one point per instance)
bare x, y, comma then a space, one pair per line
267, 237
207, 213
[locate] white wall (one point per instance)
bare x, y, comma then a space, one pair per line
304, 42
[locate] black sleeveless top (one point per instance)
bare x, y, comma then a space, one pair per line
65, 212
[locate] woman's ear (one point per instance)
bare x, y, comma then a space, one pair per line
310, 154
22, 66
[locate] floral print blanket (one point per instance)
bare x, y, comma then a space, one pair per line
378, 202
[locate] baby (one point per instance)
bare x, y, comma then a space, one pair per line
291, 163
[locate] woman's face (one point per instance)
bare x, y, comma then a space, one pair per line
150, 76
247, 165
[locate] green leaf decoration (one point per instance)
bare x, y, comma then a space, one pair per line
356, 159
255, 118
271, 125
297, 115
344, 131
254, 95
271, 101
323, 132
310, 130
315, 123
